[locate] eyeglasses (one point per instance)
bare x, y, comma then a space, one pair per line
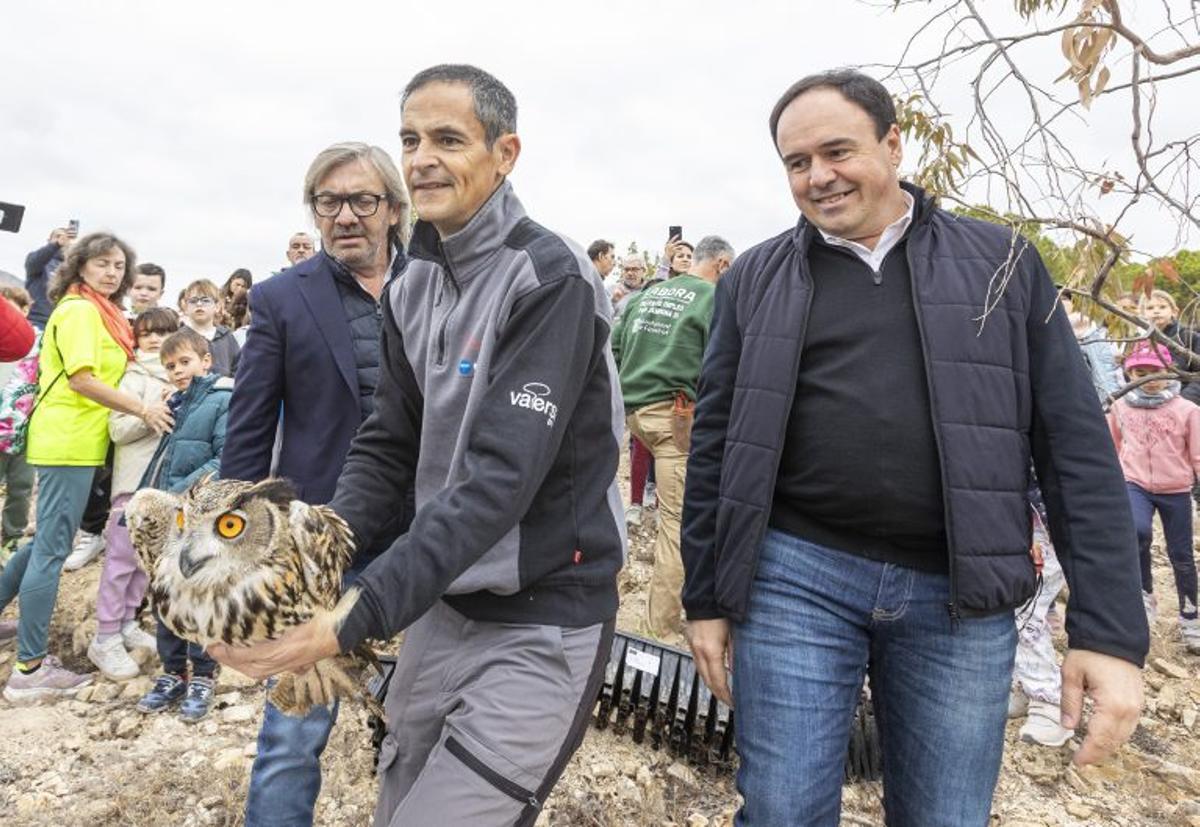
633, 269
362, 204
200, 301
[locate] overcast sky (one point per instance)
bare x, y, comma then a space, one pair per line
187, 129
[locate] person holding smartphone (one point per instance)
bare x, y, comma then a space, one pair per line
40, 266
677, 256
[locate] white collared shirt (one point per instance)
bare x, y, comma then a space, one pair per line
887, 240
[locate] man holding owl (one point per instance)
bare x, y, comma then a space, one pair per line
498, 405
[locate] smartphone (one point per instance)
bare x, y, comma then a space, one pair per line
10, 217
73, 226
674, 231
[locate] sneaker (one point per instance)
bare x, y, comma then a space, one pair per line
8, 631
198, 701
1189, 628
168, 689
136, 637
49, 682
1018, 703
1043, 727
1150, 604
633, 515
87, 548
112, 660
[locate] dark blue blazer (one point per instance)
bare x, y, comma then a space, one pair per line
298, 355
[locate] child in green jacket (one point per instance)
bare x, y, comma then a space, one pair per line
188, 453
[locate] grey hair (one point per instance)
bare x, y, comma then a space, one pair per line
495, 106
710, 247
377, 159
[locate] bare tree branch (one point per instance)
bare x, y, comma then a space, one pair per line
1114, 10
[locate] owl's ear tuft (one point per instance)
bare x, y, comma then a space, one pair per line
276, 490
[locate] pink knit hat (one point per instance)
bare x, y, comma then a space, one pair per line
1147, 355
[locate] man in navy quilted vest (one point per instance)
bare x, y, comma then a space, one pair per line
877, 381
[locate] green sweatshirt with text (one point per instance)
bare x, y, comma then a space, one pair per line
659, 341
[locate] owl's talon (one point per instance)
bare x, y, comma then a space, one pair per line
321, 685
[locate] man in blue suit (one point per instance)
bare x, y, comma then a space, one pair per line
312, 356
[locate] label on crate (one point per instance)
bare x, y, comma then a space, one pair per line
644, 661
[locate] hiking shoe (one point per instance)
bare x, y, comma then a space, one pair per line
112, 660
136, 637
198, 701
1189, 628
87, 548
168, 689
633, 515
1150, 604
1043, 725
50, 682
1018, 703
8, 631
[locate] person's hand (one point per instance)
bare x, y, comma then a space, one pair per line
670, 248
297, 650
62, 238
618, 293
1115, 686
158, 416
712, 648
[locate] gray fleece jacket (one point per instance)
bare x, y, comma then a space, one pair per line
498, 401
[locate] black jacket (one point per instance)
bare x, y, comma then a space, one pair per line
1189, 339
39, 267
1001, 391
498, 402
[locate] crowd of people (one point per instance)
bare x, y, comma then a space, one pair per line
848, 477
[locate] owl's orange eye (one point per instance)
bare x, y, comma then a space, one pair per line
179, 519
230, 525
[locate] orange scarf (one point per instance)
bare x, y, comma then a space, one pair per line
114, 319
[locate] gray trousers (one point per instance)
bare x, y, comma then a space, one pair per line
18, 487
483, 717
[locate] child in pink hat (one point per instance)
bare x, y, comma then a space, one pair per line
1157, 435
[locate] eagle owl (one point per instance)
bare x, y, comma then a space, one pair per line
243, 562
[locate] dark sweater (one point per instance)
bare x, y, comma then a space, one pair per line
859, 470
1000, 392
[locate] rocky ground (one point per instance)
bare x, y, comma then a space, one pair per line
96, 761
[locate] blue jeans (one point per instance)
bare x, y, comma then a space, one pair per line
34, 570
817, 617
286, 777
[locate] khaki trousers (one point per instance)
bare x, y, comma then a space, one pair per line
664, 605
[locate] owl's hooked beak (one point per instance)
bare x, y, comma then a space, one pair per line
189, 565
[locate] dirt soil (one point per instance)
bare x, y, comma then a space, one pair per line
96, 761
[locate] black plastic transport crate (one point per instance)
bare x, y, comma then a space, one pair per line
653, 694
